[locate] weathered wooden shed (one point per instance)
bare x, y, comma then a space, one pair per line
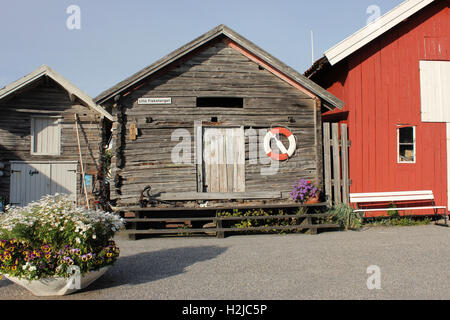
394, 77
52, 138
191, 126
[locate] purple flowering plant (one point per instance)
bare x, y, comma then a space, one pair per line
303, 190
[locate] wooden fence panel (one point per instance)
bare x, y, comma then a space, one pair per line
327, 162
344, 161
336, 164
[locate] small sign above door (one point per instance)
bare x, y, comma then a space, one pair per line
155, 101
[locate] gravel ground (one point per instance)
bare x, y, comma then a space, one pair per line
414, 264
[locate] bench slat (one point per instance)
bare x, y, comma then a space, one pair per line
394, 193
391, 198
398, 209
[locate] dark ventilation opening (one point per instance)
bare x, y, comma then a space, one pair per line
220, 102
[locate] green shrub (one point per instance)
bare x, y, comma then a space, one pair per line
269, 222
400, 221
393, 213
346, 217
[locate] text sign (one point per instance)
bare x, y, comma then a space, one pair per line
154, 100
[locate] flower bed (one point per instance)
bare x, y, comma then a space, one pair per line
46, 238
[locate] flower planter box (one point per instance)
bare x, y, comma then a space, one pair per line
57, 286
52, 240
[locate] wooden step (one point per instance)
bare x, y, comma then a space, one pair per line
230, 218
264, 228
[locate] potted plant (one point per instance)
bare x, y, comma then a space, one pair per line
52, 247
304, 191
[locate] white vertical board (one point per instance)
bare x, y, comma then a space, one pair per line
448, 165
17, 181
64, 179
435, 91
239, 138
31, 181
45, 135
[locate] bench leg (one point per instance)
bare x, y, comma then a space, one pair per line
134, 226
308, 222
220, 234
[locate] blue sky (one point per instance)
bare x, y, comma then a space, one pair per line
118, 38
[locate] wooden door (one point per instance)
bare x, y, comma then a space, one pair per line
224, 160
64, 179
31, 181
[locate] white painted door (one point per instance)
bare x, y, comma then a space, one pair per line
32, 181
435, 91
224, 159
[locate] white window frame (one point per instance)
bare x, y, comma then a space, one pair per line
398, 144
58, 153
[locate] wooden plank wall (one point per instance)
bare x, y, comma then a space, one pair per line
48, 98
217, 71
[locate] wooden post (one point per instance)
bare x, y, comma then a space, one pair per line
199, 154
220, 234
81, 161
308, 222
327, 162
134, 226
344, 157
336, 163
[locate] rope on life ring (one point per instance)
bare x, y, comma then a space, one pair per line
286, 153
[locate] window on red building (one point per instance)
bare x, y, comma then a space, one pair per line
406, 141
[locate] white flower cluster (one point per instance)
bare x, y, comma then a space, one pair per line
29, 266
56, 213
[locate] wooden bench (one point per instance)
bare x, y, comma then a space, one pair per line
420, 200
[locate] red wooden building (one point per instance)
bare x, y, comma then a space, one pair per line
394, 77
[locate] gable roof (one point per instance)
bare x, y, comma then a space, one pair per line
373, 30
68, 86
330, 100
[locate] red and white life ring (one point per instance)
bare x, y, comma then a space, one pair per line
286, 153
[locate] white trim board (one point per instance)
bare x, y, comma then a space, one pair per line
448, 164
44, 161
375, 29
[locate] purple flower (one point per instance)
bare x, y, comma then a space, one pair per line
302, 190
